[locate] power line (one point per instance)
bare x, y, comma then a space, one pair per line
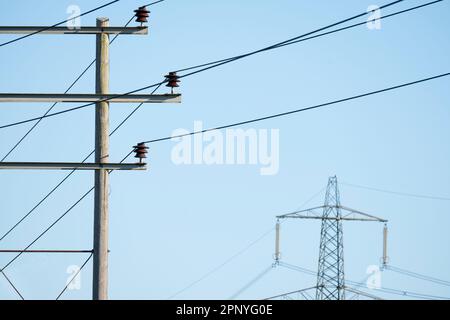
252, 282
303, 109
47, 229
45, 251
52, 106
84, 105
405, 293
417, 275
46, 112
360, 293
74, 276
152, 3
12, 284
158, 84
297, 268
307, 36
413, 195
58, 24
225, 61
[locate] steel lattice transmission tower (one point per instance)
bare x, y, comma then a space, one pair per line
330, 274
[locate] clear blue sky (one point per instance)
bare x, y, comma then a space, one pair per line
172, 224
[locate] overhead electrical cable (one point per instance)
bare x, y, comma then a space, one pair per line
405, 194
282, 114
57, 24
280, 44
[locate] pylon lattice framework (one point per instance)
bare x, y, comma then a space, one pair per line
330, 275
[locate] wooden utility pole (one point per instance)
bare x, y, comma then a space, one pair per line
102, 98
101, 219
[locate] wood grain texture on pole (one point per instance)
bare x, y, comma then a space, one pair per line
101, 219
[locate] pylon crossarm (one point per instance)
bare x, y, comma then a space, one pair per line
307, 213
362, 293
354, 214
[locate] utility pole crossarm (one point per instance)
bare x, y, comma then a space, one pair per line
71, 166
81, 97
65, 30
102, 99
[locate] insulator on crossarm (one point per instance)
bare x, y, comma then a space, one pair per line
141, 151
172, 80
141, 15
385, 258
